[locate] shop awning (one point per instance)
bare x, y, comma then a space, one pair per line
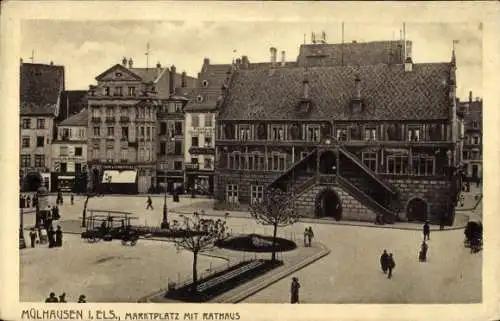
119, 177
66, 177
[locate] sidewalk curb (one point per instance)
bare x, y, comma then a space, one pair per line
345, 223
273, 278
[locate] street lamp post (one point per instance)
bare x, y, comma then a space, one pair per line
164, 222
22, 241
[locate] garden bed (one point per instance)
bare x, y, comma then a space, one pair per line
223, 281
256, 243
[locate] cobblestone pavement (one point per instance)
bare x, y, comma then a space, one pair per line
350, 273
103, 271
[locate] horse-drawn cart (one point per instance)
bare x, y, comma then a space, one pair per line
108, 226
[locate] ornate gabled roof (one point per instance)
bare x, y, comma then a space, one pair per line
80, 119
148, 74
40, 88
387, 93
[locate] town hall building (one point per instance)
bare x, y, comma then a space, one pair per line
353, 131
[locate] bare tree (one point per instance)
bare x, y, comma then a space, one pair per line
88, 195
276, 209
198, 235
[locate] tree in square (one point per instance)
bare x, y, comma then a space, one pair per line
197, 235
276, 209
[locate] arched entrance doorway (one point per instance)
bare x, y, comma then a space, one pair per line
32, 182
416, 210
328, 204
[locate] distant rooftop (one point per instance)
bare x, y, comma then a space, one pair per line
80, 119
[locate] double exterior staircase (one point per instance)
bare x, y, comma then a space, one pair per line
359, 182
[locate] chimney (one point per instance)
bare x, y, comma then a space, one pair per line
470, 96
206, 61
124, 62
183, 80
408, 64
21, 60
172, 80
283, 62
245, 62
130, 63
238, 61
51, 63
273, 51
357, 88
158, 69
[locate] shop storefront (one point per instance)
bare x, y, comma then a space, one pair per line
119, 181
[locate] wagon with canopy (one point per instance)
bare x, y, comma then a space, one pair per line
108, 226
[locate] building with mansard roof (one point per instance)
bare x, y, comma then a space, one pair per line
354, 131
41, 86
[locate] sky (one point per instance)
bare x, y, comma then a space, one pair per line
87, 48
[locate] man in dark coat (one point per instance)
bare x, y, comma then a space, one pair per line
72, 198
52, 298
62, 298
50, 235
28, 201
423, 252
32, 237
295, 290
149, 203
59, 236
383, 261
391, 264
55, 213
427, 231
81, 299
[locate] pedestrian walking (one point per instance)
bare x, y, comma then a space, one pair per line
52, 298
35, 201
384, 259
62, 298
442, 222
310, 235
82, 299
427, 231
422, 257
306, 231
391, 264
51, 234
150, 203
72, 199
295, 290
32, 237
28, 201
55, 213
59, 236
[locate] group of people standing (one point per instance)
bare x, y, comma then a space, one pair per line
62, 298
308, 236
54, 238
27, 201
387, 263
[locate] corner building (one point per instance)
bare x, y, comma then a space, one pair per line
352, 131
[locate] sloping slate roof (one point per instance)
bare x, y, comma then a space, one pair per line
40, 88
362, 53
80, 119
147, 74
77, 100
388, 91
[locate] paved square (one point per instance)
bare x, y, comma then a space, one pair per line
349, 274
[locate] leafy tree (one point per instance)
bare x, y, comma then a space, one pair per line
198, 235
276, 209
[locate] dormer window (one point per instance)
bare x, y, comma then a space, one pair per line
199, 98
357, 101
204, 83
118, 74
107, 91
